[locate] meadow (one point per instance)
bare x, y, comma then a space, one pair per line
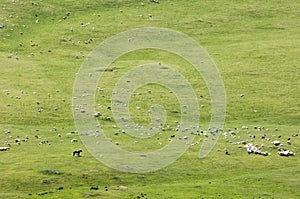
255, 45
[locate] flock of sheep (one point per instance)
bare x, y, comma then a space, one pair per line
259, 140
12, 140
230, 136
264, 138
33, 44
243, 139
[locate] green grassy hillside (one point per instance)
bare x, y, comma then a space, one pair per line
255, 45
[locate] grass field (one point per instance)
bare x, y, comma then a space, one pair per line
255, 45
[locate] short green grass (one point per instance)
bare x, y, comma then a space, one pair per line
255, 45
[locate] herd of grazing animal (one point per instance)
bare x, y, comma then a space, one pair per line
256, 141
273, 142
18, 141
266, 140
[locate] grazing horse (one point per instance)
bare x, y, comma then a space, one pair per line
77, 153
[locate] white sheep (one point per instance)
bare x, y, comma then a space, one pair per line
253, 149
285, 153
4, 148
69, 135
276, 143
96, 115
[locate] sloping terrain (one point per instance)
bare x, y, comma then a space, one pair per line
255, 45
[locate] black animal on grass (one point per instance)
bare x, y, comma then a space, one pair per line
77, 153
